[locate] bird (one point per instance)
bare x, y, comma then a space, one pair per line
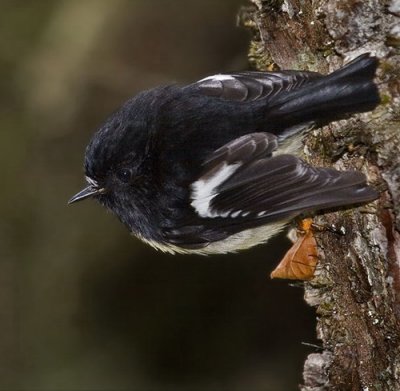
215, 166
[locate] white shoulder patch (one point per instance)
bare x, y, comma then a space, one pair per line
204, 190
217, 78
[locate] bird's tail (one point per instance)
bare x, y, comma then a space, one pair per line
348, 90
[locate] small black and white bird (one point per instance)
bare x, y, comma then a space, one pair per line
211, 167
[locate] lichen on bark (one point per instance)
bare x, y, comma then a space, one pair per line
356, 291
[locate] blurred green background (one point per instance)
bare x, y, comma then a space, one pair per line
82, 305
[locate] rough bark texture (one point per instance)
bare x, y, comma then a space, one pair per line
356, 290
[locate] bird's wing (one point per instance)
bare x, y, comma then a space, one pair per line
244, 185
281, 187
251, 86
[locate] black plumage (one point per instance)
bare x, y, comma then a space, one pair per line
193, 167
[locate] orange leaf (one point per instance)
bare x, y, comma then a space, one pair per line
300, 261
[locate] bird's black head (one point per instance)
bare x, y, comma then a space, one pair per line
114, 163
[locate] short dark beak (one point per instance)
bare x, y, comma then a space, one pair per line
85, 193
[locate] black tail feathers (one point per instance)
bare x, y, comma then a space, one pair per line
351, 89
364, 66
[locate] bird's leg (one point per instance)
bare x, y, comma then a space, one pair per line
327, 227
300, 261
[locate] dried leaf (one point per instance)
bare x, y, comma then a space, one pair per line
300, 261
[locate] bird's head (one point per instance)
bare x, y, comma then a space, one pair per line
114, 164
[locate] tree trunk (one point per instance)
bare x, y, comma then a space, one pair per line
356, 290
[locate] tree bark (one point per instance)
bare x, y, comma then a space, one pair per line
356, 290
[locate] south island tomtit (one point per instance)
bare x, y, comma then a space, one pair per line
211, 167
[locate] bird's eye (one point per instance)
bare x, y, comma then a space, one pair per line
124, 175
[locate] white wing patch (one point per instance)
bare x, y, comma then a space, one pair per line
205, 189
236, 214
217, 78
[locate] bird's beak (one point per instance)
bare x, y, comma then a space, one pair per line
87, 192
